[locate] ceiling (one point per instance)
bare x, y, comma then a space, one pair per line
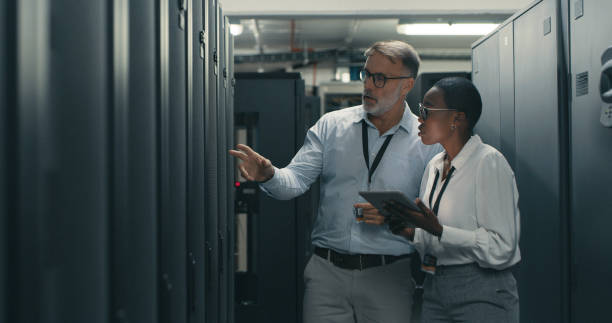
287, 35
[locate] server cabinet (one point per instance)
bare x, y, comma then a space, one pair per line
222, 170
591, 153
231, 196
133, 180
5, 134
493, 75
197, 56
268, 106
486, 68
516, 70
538, 164
59, 223
172, 223
211, 152
507, 136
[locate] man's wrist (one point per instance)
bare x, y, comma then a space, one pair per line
269, 178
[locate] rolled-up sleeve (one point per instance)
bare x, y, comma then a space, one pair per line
305, 167
494, 243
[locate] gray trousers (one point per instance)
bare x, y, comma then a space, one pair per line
378, 294
468, 293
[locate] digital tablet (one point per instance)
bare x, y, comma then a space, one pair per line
378, 198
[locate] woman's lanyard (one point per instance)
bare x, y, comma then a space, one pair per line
433, 189
366, 152
430, 261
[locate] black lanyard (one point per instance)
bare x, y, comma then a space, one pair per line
448, 177
366, 152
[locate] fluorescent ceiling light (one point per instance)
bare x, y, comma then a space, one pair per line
446, 29
236, 29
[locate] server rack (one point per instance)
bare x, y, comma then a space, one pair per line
104, 162
196, 177
222, 166
132, 127
212, 191
590, 43
5, 183
516, 69
60, 234
269, 105
231, 196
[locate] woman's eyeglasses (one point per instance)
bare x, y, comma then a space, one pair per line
379, 79
425, 111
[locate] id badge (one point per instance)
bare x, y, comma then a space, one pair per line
429, 264
358, 212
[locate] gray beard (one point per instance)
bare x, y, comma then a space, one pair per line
378, 111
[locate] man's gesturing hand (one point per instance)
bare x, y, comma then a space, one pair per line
254, 167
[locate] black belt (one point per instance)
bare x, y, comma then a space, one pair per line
356, 262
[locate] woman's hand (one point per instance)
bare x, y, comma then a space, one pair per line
425, 219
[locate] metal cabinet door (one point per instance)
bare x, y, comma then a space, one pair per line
591, 155
133, 185
172, 223
196, 207
222, 170
5, 184
537, 164
211, 147
272, 235
229, 117
485, 74
507, 138
61, 266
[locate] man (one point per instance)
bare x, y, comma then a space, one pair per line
360, 271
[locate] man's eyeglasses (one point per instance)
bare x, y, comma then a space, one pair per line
379, 79
425, 111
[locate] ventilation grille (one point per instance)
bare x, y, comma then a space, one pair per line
582, 83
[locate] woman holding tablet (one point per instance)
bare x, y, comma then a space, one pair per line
467, 231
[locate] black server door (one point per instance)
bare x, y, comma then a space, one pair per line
172, 223
270, 241
133, 180
537, 168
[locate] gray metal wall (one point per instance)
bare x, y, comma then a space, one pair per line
591, 153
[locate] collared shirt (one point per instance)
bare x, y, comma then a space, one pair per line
333, 150
478, 210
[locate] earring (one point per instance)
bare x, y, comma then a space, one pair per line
453, 127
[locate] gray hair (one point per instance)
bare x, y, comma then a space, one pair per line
397, 50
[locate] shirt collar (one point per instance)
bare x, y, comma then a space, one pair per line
405, 123
468, 149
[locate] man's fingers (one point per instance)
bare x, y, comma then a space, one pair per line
264, 162
364, 206
374, 219
246, 149
244, 173
238, 154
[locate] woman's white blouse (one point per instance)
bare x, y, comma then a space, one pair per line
478, 211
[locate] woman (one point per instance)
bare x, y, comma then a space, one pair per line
468, 228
